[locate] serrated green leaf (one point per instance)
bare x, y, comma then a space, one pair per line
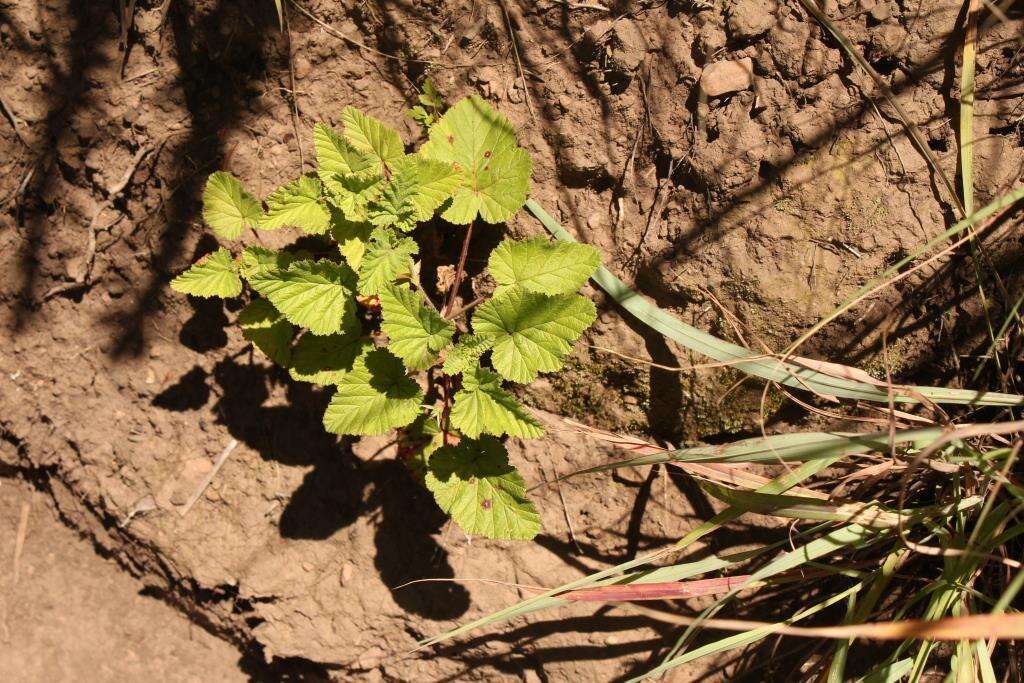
387, 257
475, 484
351, 237
416, 332
531, 332
311, 294
326, 360
395, 205
430, 97
421, 116
483, 407
374, 396
227, 208
257, 261
372, 137
215, 274
539, 265
481, 144
267, 329
466, 353
336, 155
352, 194
298, 204
433, 182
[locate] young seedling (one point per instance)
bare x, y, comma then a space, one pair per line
360, 321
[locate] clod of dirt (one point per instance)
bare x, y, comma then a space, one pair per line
881, 11
751, 18
628, 47
621, 43
722, 78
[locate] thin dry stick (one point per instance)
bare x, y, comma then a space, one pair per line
565, 508
293, 104
363, 46
14, 120
519, 64
208, 479
19, 541
113, 192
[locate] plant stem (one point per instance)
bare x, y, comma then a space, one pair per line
460, 311
459, 270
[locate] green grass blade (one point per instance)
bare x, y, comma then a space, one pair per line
798, 447
789, 374
741, 639
890, 673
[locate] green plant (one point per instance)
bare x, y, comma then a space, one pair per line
359, 319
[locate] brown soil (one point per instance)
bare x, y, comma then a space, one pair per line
775, 202
67, 614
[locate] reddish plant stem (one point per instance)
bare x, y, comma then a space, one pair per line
459, 271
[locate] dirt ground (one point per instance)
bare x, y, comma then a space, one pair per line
749, 213
67, 614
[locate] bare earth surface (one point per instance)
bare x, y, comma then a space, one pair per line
72, 615
748, 208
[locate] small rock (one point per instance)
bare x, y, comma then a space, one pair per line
722, 78
346, 573
750, 18
881, 11
76, 268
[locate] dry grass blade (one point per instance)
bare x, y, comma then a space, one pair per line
791, 374
971, 627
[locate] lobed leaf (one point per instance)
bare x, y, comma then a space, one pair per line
312, 294
298, 204
483, 407
215, 274
495, 171
531, 332
227, 208
352, 194
387, 257
352, 238
256, 262
372, 137
336, 155
395, 204
326, 359
374, 396
268, 330
416, 332
433, 182
539, 265
466, 353
483, 493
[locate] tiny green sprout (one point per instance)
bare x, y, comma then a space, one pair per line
354, 318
